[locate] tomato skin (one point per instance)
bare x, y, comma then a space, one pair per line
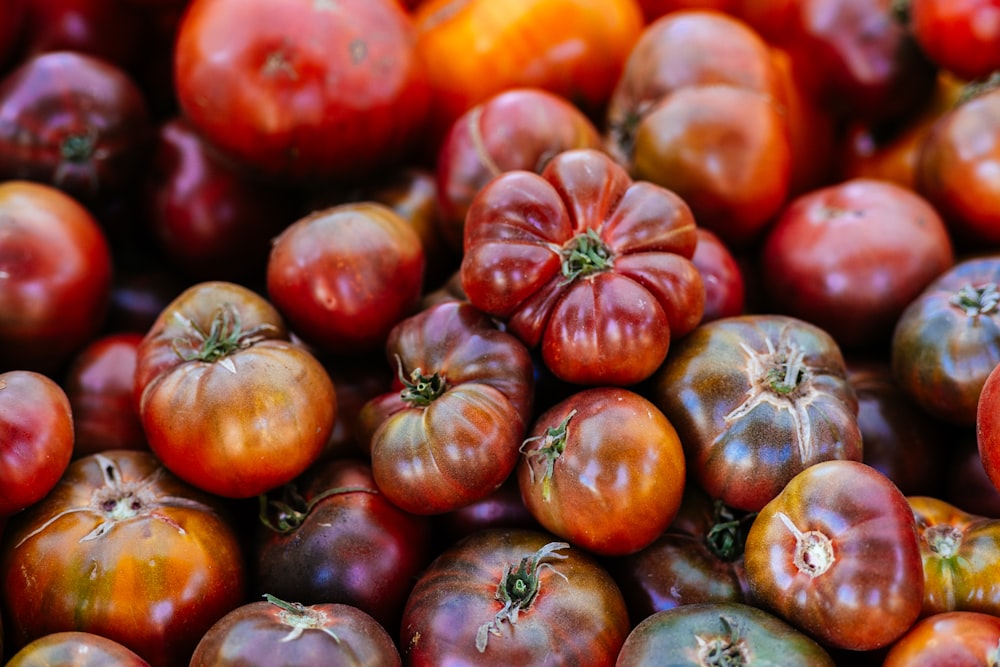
604, 470
611, 322
120, 539
947, 638
756, 399
202, 414
688, 635
36, 438
75, 649
988, 426
961, 556
725, 288
578, 618
836, 554
962, 36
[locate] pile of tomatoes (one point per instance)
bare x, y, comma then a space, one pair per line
533, 332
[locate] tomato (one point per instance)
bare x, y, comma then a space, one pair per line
586, 264
74, 121
961, 555
756, 399
988, 426
227, 402
56, 264
604, 470
948, 638
850, 257
276, 632
332, 537
966, 483
654, 9
449, 431
947, 340
513, 597
836, 554
713, 633
725, 288
962, 36
345, 275
121, 548
302, 92
36, 438
75, 649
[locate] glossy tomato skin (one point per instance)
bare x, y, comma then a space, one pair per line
120, 539
58, 266
448, 432
851, 256
275, 632
961, 556
962, 36
947, 340
836, 554
36, 438
604, 470
73, 648
302, 92
756, 399
332, 537
725, 288
586, 265
947, 638
691, 635
575, 614
215, 366
344, 276
988, 427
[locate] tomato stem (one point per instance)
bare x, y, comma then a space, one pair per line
420, 389
943, 540
813, 550
976, 300
292, 508
724, 650
727, 536
552, 447
225, 336
585, 254
301, 618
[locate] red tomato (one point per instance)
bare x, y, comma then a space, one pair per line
962, 36
604, 470
345, 275
586, 264
56, 268
75, 649
302, 91
513, 598
948, 638
725, 289
227, 402
36, 438
836, 554
121, 548
988, 425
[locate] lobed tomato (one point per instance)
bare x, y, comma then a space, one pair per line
72, 648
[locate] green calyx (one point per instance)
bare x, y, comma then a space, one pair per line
976, 300
420, 389
225, 336
286, 513
585, 254
553, 445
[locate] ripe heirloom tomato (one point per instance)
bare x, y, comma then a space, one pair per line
275, 632
513, 597
227, 402
961, 556
302, 91
756, 399
123, 549
587, 264
449, 431
962, 36
836, 554
75, 649
36, 438
725, 289
948, 638
988, 426
604, 470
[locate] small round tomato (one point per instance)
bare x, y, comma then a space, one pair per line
961, 36
36, 438
604, 470
73, 648
948, 638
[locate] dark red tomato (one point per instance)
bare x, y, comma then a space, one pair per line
140, 293
725, 289
123, 549
75, 649
756, 399
56, 268
275, 632
719, 633
345, 275
654, 9
302, 91
207, 217
961, 555
953, 169
836, 554
99, 385
988, 426
519, 128
73, 121
509, 597
962, 36
947, 341
227, 401
36, 438
448, 433
604, 470
585, 264
851, 256
948, 638
332, 537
